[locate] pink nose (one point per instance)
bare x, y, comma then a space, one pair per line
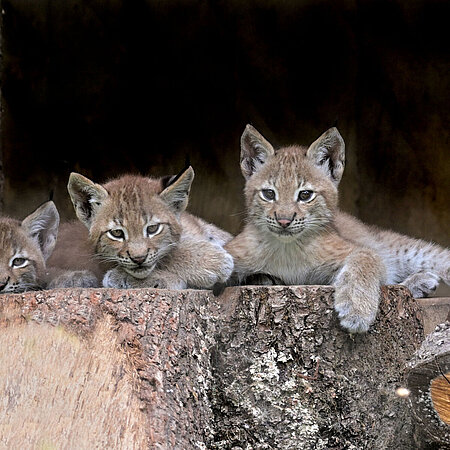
284, 222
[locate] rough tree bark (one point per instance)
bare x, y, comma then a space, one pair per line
429, 382
258, 367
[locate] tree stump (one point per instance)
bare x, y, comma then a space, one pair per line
436, 310
428, 380
257, 367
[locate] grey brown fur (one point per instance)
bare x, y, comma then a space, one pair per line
139, 235
296, 233
25, 247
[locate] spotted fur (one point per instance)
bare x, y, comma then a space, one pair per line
414, 263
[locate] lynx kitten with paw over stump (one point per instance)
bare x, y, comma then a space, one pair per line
296, 233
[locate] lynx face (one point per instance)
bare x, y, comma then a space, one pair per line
25, 246
133, 221
286, 192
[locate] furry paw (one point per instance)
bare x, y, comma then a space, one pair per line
119, 279
356, 310
74, 279
422, 284
357, 290
221, 267
165, 280
215, 270
226, 269
116, 279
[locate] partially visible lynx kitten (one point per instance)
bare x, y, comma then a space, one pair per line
296, 233
140, 236
25, 247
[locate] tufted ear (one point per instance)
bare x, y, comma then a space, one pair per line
255, 150
176, 192
42, 226
86, 197
328, 153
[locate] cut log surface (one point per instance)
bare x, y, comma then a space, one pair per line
436, 310
428, 380
256, 368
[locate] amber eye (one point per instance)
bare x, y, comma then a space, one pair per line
19, 262
268, 194
153, 230
305, 196
116, 234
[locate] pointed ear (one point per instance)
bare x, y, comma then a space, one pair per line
328, 153
42, 227
255, 150
86, 197
176, 193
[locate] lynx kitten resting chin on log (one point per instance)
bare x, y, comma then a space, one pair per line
136, 233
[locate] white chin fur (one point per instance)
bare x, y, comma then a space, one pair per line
141, 274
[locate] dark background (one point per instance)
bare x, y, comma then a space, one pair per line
107, 87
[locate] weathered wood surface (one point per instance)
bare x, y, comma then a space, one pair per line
428, 379
258, 367
435, 310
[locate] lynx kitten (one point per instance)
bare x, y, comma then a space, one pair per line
139, 235
25, 247
296, 233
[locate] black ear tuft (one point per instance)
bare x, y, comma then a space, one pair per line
176, 193
167, 180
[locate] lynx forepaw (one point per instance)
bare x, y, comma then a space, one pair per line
116, 279
74, 279
226, 269
165, 280
119, 279
356, 310
422, 284
219, 270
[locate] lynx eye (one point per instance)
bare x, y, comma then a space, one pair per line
268, 194
305, 196
153, 230
18, 263
117, 234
